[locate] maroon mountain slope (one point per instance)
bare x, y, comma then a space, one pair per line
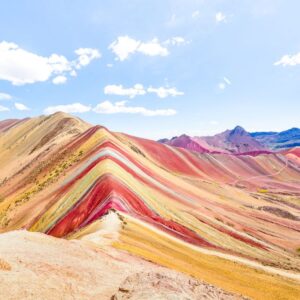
236, 141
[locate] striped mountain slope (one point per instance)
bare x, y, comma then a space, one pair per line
216, 217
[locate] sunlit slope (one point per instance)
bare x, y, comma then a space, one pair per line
293, 154
232, 273
23, 141
174, 205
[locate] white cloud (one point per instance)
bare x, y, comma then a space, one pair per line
163, 92
4, 96
195, 14
108, 107
153, 48
138, 90
109, 65
20, 66
227, 80
289, 60
21, 106
124, 46
3, 108
73, 73
220, 17
85, 56
68, 108
59, 79
58, 64
224, 83
119, 90
176, 41
222, 86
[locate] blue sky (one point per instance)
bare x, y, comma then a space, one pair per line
153, 68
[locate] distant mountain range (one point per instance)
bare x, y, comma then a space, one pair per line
238, 141
279, 140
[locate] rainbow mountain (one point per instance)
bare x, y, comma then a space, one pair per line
230, 220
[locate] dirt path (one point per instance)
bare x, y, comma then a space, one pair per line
263, 176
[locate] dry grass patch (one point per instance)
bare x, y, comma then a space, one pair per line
4, 266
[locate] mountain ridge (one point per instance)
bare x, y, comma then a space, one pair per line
239, 141
279, 140
166, 204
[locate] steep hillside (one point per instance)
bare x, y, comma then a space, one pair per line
23, 142
212, 216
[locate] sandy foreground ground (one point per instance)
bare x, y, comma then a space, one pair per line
37, 266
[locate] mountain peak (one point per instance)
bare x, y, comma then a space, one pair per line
293, 130
238, 130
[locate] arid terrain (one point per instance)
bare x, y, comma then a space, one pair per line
86, 213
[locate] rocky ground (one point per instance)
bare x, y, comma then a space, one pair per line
36, 266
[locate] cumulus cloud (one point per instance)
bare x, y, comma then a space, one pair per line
119, 90
59, 79
20, 66
124, 46
21, 106
58, 64
68, 108
5, 96
85, 56
138, 89
153, 48
288, 60
3, 108
163, 92
220, 17
108, 107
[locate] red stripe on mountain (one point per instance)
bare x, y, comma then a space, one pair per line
164, 156
110, 187
233, 234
